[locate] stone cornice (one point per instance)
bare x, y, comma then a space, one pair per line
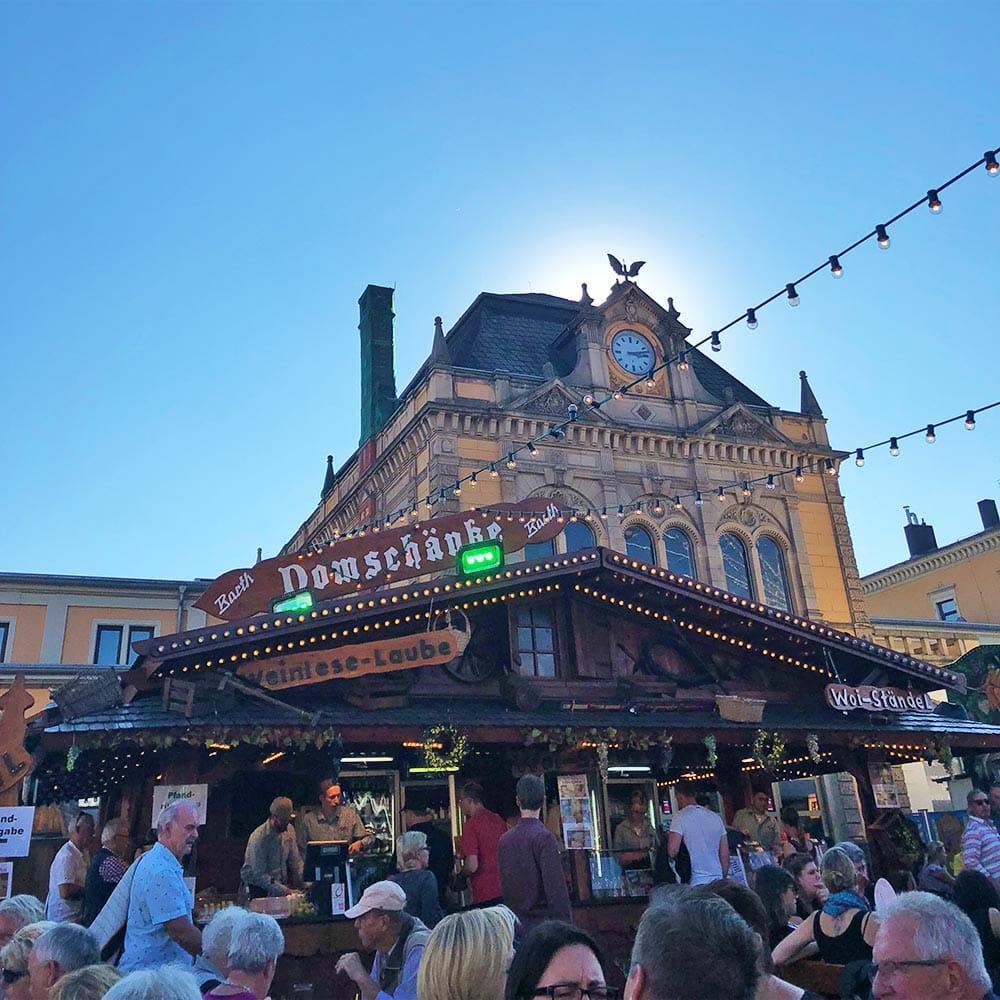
933, 562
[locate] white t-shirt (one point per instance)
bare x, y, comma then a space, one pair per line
69, 865
701, 830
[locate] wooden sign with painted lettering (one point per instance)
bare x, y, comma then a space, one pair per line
400, 653
391, 554
845, 698
15, 761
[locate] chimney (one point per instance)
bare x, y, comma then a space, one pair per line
919, 535
988, 512
378, 377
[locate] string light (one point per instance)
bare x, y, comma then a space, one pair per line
769, 485
859, 457
493, 471
650, 381
798, 474
472, 480
677, 503
893, 447
697, 498
793, 296
992, 166
657, 507
934, 202
511, 464
746, 488
831, 469
720, 495
532, 450
930, 437
970, 420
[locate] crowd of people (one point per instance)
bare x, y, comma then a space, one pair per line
705, 938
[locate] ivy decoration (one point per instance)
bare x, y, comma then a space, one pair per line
72, 753
602, 760
710, 746
812, 745
768, 749
453, 747
937, 748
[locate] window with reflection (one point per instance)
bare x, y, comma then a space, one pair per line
737, 566
539, 550
680, 558
579, 535
639, 544
772, 574
536, 639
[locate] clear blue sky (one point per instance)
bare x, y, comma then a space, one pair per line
194, 195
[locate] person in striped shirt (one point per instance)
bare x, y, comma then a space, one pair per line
981, 842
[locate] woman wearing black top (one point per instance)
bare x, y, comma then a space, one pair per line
978, 898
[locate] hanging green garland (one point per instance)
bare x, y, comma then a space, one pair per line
445, 747
710, 746
812, 746
768, 749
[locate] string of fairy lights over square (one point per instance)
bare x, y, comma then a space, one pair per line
592, 403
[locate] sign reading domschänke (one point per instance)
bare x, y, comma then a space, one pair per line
368, 563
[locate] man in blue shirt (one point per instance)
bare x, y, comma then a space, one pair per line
396, 938
159, 928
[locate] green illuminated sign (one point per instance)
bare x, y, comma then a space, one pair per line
480, 558
302, 601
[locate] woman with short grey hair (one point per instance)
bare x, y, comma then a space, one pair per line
168, 982
420, 885
212, 966
17, 912
255, 946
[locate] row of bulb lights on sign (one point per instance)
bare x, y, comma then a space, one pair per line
714, 339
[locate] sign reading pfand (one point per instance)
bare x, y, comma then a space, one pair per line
845, 698
368, 563
401, 653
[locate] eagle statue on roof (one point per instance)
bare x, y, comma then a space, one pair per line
626, 272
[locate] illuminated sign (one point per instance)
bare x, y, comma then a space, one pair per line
480, 558
845, 698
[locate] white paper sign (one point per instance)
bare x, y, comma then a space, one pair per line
164, 795
15, 830
6, 877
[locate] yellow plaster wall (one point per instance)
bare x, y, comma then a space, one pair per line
824, 561
28, 630
977, 592
468, 389
477, 450
78, 635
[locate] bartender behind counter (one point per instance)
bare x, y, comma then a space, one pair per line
634, 836
333, 821
272, 865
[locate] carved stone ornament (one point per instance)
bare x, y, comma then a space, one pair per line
552, 402
739, 424
631, 310
748, 516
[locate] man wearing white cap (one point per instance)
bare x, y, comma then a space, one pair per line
272, 865
396, 938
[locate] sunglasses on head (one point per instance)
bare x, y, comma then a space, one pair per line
10, 976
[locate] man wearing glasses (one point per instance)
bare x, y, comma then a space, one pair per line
981, 842
927, 949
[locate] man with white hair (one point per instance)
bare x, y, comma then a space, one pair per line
211, 967
159, 929
107, 868
927, 949
254, 949
63, 949
68, 872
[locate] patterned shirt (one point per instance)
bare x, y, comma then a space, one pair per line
158, 894
981, 847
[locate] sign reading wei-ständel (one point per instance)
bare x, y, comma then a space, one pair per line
845, 698
367, 563
379, 657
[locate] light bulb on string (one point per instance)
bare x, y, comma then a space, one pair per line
617, 394
621, 512
532, 450
677, 504
882, 235
457, 489
930, 437
893, 446
716, 342
934, 202
859, 457
831, 469
752, 319
473, 480
992, 167
793, 296
769, 485
720, 495
970, 420
511, 463
657, 507
697, 498
493, 471
588, 399
650, 380
604, 514
682, 362
798, 474
746, 488
835, 267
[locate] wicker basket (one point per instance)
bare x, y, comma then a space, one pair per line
737, 709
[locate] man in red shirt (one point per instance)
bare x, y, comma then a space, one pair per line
481, 834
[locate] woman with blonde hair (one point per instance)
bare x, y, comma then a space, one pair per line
467, 955
844, 930
89, 983
420, 885
14, 959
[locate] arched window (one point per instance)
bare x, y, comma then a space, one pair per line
680, 559
639, 544
772, 574
579, 536
737, 566
539, 550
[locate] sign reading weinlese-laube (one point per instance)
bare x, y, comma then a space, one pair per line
368, 563
876, 699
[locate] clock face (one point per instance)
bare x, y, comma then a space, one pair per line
632, 351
